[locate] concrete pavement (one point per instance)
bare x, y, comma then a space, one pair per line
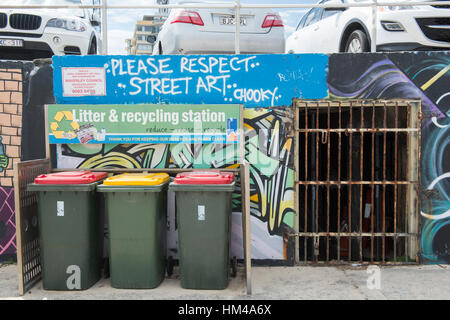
270, 283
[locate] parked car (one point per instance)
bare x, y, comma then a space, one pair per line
41, 33
211, 31
399, 28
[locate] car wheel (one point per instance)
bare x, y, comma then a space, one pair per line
357, 42
93, 47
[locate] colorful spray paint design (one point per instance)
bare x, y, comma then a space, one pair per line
7, 222
7, 218
416, 75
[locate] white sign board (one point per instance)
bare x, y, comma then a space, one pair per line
80, 82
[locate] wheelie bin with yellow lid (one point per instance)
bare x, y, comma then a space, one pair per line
135, 205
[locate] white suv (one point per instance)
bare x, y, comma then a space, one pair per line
399, 28
27, 34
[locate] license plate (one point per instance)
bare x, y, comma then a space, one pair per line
232, 20
11, 42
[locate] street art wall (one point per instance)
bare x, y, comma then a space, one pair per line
25, 88
265, 85
423, 75
10, 144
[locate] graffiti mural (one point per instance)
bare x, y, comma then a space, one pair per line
11, 102
430, 73
267, 148
435, 207
7, 222
269, 152
423, 75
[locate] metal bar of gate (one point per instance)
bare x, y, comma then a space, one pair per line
237, 19
373, 40
395, 177
306, 187
104, 27
339, 187
328, 138
372, 194
362, 130
361, 165
225, 5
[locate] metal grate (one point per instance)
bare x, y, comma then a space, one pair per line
28, 245
357, 179
3, 20
24, 21
435, 28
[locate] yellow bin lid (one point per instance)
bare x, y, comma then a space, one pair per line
137, 179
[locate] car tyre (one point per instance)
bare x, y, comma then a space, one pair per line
357, 42
93, 47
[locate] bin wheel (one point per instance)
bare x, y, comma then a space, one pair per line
169, 266
106, 273
234, 267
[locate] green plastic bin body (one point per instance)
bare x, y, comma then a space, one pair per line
204, 221
71, 235
137, 234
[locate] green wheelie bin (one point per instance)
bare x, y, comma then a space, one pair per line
203, 211
71, 229
135, 205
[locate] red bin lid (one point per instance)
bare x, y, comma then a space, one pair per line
204, 177
70, 177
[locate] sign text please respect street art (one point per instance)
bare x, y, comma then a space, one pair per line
251, 80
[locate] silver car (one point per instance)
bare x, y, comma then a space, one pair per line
212, 31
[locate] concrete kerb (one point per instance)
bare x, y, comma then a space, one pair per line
422, 282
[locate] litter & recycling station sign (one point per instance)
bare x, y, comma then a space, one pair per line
143, 123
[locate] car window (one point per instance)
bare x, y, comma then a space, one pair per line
313, 16
329, 13
302, 20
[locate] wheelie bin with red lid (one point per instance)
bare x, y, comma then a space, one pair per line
71, 229
203, 211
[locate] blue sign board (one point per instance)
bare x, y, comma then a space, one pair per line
250, 80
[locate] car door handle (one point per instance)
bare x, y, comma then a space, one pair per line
316, 28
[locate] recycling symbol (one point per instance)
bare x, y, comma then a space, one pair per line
57, 124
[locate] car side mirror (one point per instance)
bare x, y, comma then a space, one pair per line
151, 39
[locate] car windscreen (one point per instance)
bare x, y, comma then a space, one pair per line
76, 12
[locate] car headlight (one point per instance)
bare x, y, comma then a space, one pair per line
68, 24
397, 8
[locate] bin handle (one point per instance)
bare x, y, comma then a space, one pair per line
204, 174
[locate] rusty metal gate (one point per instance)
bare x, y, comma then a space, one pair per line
27, 222
357, 181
